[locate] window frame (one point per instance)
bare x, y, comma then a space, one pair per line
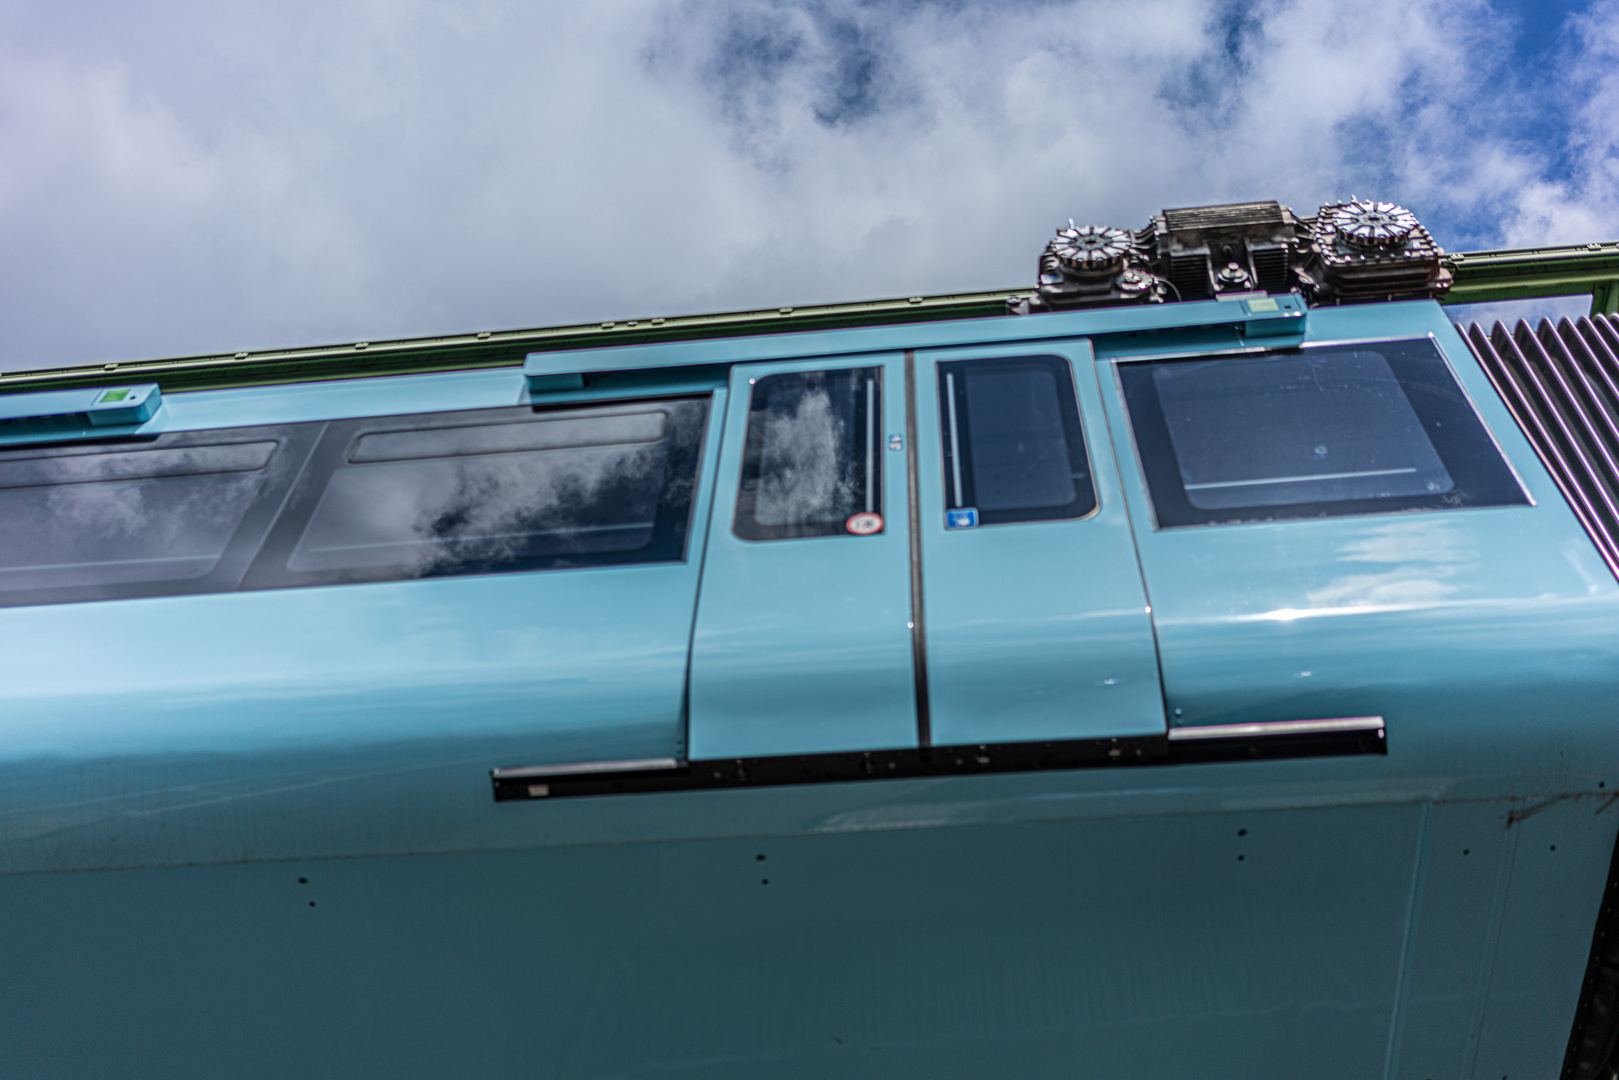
954, 436
341, 441
1482, 474
868, 459
293, 442
307, 456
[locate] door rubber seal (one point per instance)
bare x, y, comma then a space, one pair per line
919, 637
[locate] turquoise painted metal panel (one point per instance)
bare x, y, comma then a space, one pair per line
1367, 614
1124, 947
1036, 629
1535, 970
94, 413
255, 828
803, 643
1455, 626
113, 406
220, 727
408, 690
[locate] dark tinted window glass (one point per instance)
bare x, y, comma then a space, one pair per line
1013, 447
811, 464
1326, 431
124, 517
426, 496
352, 500
559, 433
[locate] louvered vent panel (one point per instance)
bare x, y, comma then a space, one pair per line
1562, 384
1190, 276
1270, 265
1218, 217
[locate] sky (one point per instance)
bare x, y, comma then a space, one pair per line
180, 177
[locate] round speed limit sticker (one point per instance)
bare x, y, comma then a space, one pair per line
864, 524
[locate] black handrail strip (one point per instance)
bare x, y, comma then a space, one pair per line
947, 761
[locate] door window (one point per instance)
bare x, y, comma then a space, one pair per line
811, 464
1013, 446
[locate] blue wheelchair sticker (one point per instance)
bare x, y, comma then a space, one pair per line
966, 518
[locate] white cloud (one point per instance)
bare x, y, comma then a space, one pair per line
190, 177
1584, 206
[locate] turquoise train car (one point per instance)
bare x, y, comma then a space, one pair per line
1206, 688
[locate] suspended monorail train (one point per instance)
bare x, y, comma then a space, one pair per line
1206, 667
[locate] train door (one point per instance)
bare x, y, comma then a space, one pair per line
921, 550
1299, 510
804, 635
1036, 621
1334, 543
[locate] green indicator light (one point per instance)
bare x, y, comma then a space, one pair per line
113, 395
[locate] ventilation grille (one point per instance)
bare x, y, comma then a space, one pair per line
1220, 217
1271, 266
1562, 384
1190, 276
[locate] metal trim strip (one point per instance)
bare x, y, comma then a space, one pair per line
583, 768
1270, 728
913, 497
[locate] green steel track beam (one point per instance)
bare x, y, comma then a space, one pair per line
1480, 276
495, 348
1533, 272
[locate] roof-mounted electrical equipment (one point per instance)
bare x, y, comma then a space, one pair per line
1096, 266
1206, 251
97, 413
1371, 251
1349, 252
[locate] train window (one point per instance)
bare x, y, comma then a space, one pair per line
82, 520
1013, 446
496, 491
560, 433
811, 464
1318, 432
373, 499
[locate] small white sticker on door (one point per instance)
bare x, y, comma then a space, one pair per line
864, 524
